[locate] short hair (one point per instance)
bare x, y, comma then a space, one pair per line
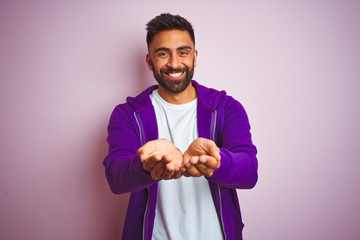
167, 21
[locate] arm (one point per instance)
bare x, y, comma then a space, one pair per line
130, 168
123, 168
238, 168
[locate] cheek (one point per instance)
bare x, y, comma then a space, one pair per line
158, 65
191, 64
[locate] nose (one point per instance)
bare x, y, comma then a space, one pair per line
174, 62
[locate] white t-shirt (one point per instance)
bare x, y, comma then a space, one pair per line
184, 207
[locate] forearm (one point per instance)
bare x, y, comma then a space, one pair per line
238, 164
126, 174
123, 168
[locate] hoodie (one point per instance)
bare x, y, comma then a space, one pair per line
219, 118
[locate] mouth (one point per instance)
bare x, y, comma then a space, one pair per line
175, 75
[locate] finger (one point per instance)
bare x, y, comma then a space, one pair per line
167, 174
176, 162
193, 171
204, 170
177, 175
206, 158
174, 165
150, 162
193, 160
183, 168
210, 162
186, 174
203, 158
167, 158
147, 149
186, 157
157, 171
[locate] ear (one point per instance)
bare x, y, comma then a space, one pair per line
195, 57
148, 62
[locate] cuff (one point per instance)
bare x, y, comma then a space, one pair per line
225, 166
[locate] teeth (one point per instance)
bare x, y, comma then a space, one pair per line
175, 74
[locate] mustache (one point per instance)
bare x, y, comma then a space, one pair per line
174, 70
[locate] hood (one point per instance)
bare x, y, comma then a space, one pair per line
142, 100
207, 97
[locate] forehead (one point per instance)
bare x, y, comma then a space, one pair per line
171, 39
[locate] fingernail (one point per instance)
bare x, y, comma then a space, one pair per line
202, 160
188, 165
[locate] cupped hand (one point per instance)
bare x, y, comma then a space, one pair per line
161, 158
201, 158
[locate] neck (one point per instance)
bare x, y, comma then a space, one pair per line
183, 97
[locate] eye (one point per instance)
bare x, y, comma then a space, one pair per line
183, 53
162, 54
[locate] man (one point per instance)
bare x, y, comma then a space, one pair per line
180, 148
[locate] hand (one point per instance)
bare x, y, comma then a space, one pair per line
161, 158
201, 158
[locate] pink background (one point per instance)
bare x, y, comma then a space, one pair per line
294, 65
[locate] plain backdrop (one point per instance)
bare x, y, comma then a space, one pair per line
294, 65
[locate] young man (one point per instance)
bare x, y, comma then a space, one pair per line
180, 148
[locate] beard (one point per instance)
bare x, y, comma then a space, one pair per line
174, 86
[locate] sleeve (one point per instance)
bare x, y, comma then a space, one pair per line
238, 164
123, 167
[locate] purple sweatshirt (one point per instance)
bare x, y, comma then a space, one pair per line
220, 118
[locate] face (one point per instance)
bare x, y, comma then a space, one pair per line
172, 58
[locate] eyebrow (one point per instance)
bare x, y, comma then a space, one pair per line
168, 49
161, 49
184, 47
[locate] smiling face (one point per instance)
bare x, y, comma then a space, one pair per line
172, 58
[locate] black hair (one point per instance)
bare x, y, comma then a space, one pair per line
167, 21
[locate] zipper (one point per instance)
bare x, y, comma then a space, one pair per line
213, 125
145, 215
142, 141
212, 137
221, 218
140, 126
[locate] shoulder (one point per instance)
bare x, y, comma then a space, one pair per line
209, 98
136, 103
142, 100
216, 99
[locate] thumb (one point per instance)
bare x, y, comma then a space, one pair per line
215, 153
211, 149
140, 153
